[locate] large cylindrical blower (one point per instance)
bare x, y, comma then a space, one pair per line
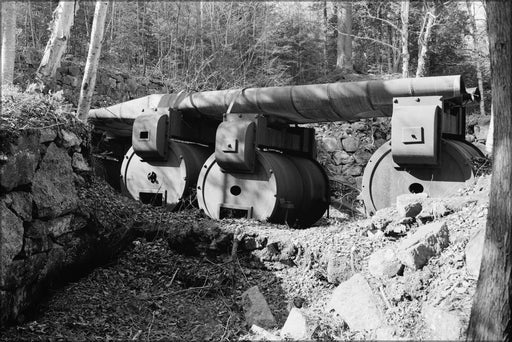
166, 182
157, 170
281, 189
384, 180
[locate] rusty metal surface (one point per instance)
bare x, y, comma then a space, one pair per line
173, 178
382, 182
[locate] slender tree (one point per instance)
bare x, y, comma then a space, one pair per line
344, 43
426, 28
491, 318
404, 32
8, 40
63, 18
93, 57
477, 57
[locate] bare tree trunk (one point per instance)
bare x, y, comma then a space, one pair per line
490, 134
63, 17
8, 40
428, 22
93, 57
344, 60
326, 36
477, 59
491, 318
404, 14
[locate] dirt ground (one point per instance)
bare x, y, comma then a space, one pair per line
151, 291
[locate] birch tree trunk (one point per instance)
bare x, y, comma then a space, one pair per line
428, 23
93, 57
491, 318
63, 17
8, 40
344, 58
477, 59
404, 14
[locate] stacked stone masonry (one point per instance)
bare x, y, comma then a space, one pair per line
46, 233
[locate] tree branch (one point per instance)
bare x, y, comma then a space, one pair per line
371, 39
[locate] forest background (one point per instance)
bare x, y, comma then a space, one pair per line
218, 45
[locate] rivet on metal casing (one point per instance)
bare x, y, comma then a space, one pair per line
395, 101
205, 166
418, 99
198, 188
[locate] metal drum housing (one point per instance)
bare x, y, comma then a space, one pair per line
282, 189
383, 180
164, 182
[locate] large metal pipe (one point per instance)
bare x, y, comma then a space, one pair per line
292, 104
322, 102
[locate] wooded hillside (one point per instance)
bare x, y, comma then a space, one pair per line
218, 45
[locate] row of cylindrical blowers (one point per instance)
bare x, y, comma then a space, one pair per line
243, 153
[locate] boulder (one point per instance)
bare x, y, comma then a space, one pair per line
47, 135
359, 126
382, 218
354, 301
410, 205
443, 325
298, 326
60, 225
474, 251
78, 162
429, 240
362, 156
53, 189
342, 157
69, 139
384, 263
331, 144
23, 271
432, 210
352, 170
18, 169
256, 309
11, 237
350, 144
20, 202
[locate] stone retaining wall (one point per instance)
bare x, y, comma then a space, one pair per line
345, 148
48, 231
